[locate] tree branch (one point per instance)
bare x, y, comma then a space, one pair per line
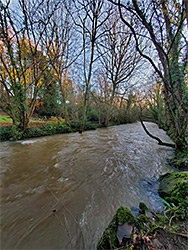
156, 138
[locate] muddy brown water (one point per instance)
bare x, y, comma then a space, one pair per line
60, 192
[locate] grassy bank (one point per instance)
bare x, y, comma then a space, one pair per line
42, 127
13, 133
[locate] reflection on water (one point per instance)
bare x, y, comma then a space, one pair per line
60, 192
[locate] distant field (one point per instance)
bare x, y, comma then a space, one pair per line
5, 120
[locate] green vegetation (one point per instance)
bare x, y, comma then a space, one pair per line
40, 75
143, 208
181, 159
53, 127
169, 180
124, 215
5, 118
109, 239
171, 225
174, 190
49, 101
5, 133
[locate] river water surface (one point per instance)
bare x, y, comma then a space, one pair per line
60, 192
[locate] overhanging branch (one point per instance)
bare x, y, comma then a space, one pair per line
167, 144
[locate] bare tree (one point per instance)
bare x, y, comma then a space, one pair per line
23, 62
62, 48
164, 22
91, 17
119, 58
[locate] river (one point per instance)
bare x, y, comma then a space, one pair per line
61, 191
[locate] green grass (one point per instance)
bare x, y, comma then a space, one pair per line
5, 118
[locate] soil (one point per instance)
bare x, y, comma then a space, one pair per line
2, 112
168, 241
31, 124
3, 124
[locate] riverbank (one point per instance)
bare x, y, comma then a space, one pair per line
39, 129
95, 172
151, 230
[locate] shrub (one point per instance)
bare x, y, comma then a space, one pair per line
75, 125
90, 126
5, 133
92, 115
49, 129
124, 215
32, 132
63, 129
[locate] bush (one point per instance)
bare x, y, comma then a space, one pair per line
32, 132
63, 129
12, 132
92, 126
92, 115
56, 120
5, 133
75, 125
49, 129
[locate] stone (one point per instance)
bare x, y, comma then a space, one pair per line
157, 244
169, 180
124, 231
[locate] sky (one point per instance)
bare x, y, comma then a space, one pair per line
6, 1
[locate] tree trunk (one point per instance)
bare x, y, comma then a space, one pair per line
86, 98
65, 112
110, 106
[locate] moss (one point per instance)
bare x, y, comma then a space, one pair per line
178, 195
124, 215
169, 180
180, 161
143, 218
109, 239
143, 208
174, 190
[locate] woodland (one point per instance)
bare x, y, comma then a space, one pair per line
95, 61
75, 65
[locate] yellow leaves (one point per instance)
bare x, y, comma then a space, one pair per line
3, 73
50, 81
13, 73
39, 82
